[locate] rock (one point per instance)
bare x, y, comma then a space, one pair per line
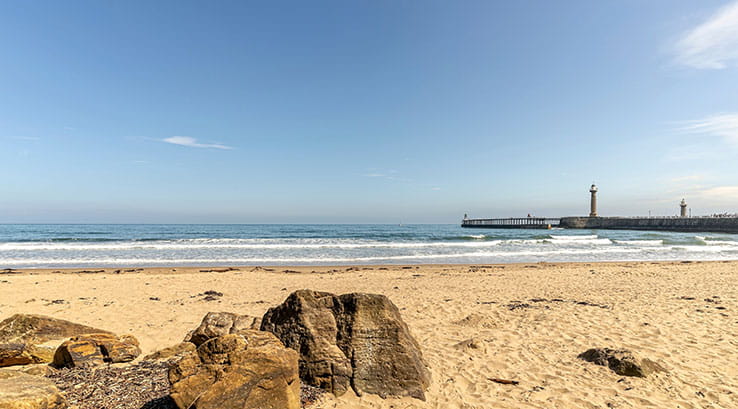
471, 343
352, 340
173, 351
306, 322
22, 391
622, 362
32, 339
248, 370
216, 324
96, 349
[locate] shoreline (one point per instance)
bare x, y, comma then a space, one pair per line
303, 268
529, 322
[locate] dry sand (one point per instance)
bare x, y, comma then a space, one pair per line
529, 322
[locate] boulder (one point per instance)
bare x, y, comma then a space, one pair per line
32, 339
353, 340
22, 391
621, 361
306, 323
248, 370
216, 324
96, 349
174, 351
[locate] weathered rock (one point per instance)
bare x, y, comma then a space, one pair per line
352, 340
216, 324
23, 391
248, 370
96, 349
32, 339
306, 322
622, 362
173, 351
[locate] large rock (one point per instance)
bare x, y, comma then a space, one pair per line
23, 391
249, 370
32, 339
352, 340
96, 349
216, 324
621, 361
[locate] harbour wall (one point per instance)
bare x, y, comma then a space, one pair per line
679, 224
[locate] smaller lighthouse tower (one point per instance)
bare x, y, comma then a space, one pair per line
593, 201
683, 205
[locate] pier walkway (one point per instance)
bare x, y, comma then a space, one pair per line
513, 223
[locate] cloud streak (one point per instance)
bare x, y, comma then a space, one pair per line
712, 44
192, 143
722, 125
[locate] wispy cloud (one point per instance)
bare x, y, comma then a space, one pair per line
712, 44
725, 192
192, 143
724, 126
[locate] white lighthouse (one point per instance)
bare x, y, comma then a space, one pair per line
683, 205
593, 201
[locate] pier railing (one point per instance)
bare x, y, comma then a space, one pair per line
522, 222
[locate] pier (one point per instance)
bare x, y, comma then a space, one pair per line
727, 223
513, 223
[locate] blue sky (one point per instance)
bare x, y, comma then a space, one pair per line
365, 111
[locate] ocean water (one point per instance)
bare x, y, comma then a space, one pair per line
57, 246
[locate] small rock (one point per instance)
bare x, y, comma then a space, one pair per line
622, 362
216, 324
96, 349
471, 343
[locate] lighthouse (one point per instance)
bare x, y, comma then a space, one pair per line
593, 201
683, 205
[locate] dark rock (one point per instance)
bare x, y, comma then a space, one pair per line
352, 340
622, 362
249, 370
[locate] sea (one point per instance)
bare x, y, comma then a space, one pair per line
123, 245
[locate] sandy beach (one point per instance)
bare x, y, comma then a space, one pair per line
528, 322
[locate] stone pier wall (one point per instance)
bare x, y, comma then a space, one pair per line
687, 224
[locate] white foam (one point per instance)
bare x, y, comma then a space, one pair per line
247, 245
645, 243
575, 237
